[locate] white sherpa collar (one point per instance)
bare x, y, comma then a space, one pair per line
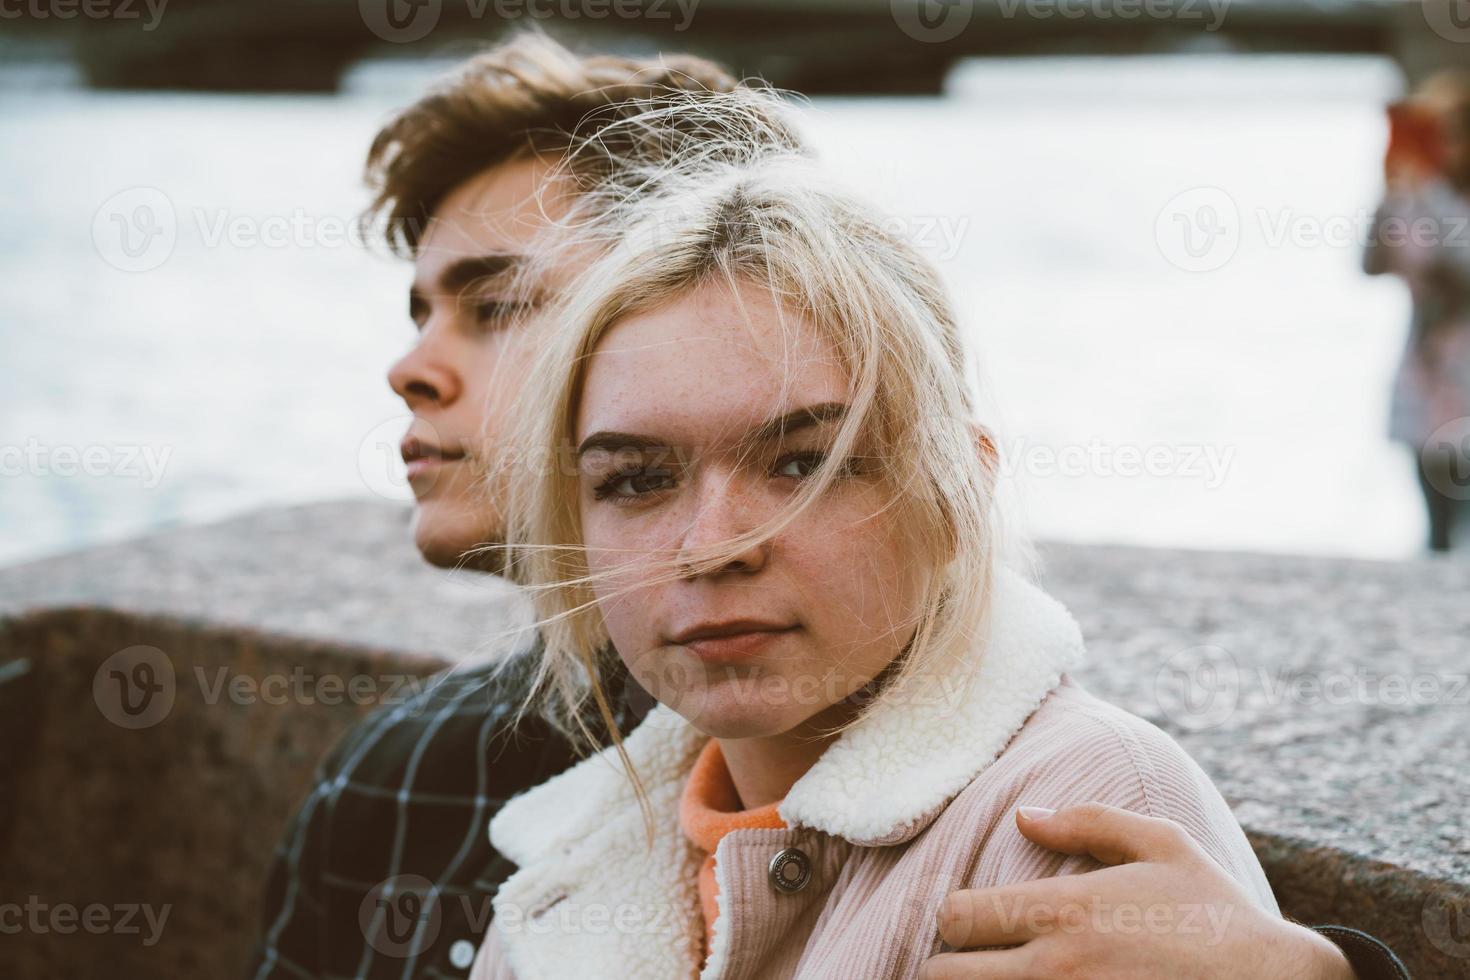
889, 776
580, 836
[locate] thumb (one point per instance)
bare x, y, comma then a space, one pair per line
1107, 833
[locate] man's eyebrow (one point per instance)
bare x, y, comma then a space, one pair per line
467, 271
461, 273
794, 421
801, 418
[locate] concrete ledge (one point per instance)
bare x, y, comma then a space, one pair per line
1277, 674
1329, 700
180, 817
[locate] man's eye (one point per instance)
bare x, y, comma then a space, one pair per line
496, 310
631, 484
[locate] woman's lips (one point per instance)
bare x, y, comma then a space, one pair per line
735, 646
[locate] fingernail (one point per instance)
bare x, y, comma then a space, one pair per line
1035, 812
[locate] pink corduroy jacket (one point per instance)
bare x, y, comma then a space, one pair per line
911, 803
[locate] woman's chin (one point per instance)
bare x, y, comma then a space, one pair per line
735, 728
722, 715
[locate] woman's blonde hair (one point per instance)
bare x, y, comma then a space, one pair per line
774, 224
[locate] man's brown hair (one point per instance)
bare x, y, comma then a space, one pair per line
532, 95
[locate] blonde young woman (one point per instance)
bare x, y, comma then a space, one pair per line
751, 473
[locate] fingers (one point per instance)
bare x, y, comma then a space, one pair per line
1000, 964
1110, 835
1009, 915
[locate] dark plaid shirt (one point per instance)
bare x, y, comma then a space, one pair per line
386, 871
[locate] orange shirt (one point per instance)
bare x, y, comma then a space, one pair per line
710, 809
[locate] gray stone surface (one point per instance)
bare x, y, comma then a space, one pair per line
320, 614
1341, 712
1327, 698
344, 573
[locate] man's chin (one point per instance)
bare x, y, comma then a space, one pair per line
448, 538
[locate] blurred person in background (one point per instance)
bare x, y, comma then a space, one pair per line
1422, 234
397, 817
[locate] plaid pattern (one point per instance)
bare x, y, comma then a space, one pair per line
386, 870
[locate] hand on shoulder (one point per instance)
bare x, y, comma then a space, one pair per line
1162, 909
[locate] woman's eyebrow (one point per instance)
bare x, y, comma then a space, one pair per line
801, 418
613, 442
767, 431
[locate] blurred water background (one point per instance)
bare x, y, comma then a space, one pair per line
1080, 208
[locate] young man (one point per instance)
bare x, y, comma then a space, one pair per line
387, 870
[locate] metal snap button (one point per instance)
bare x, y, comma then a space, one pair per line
462, 954
790, 870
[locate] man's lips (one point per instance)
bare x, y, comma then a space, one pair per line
422, 456
732, 639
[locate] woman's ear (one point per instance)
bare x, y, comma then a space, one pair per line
989, 455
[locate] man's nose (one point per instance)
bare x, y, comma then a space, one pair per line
426, 375
723, 513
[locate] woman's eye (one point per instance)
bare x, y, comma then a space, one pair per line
627, 486
800, 466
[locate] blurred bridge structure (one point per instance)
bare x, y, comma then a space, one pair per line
813, 46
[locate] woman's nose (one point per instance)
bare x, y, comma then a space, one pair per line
723, 513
